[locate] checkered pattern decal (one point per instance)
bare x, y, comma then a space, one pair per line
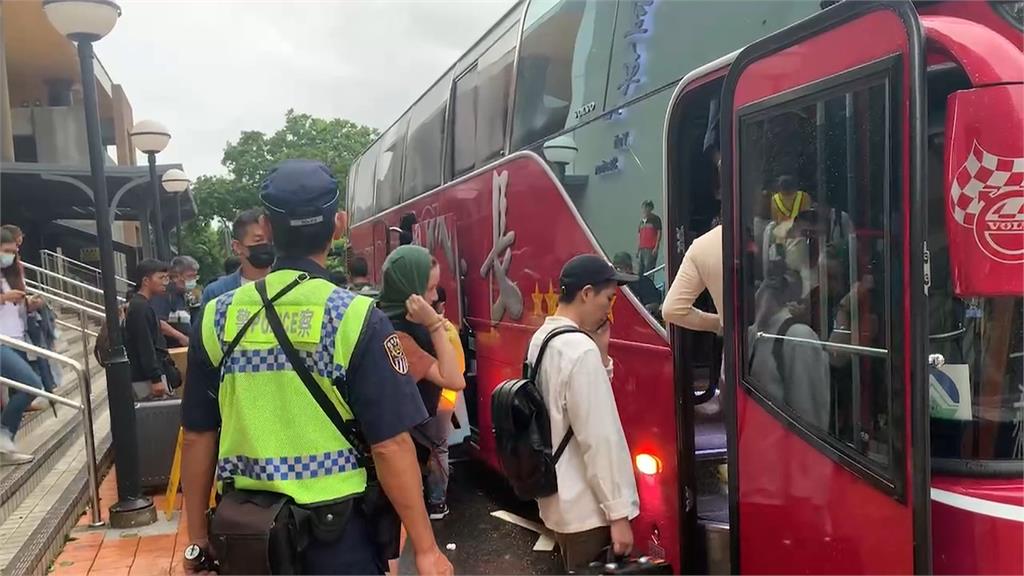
321, 360
981, 175
288, 467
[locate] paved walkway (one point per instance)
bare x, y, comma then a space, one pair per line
149, 551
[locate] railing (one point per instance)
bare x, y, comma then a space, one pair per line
45, 290
61, 264
80, 290
84, 407
84, 313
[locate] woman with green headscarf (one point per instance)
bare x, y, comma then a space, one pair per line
408, 290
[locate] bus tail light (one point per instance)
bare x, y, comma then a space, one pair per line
647, 464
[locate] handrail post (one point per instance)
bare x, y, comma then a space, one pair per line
82, 319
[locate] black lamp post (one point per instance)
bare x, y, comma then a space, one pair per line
85, 22
151, 137
177, 182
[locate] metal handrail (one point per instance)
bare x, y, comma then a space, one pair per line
85, 391
70, 325
94, 313
50, 290
826, 345
654, 270
62, 278
83, 265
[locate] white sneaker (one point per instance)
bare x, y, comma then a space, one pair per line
9, 452
38, 404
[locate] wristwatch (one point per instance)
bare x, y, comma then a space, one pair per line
193, 553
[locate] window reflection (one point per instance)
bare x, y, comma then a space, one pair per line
816, 287
611, 169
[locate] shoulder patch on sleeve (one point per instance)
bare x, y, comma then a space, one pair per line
396, 355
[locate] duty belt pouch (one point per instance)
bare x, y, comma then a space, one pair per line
255, 532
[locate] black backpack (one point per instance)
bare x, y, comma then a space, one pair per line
522, 429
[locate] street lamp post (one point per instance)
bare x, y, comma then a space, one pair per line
560, 152
85, 22
176, 181
151, 137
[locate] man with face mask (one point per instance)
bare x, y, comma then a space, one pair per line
174, 308
251, 245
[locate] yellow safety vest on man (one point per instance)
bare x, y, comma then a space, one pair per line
274, 436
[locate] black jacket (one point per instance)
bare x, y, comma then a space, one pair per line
143, 340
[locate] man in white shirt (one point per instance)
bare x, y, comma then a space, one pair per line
597, 494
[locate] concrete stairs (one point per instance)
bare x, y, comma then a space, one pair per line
42, 501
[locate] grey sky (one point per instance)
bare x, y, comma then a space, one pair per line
210, 69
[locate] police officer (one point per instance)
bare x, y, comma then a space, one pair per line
256, 421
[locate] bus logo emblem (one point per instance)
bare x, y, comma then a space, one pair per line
987, 196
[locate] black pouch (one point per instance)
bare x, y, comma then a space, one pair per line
254, 532
327, 521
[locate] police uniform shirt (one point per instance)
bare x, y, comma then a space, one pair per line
378, 389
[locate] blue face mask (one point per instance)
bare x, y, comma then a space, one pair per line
6, 259
191, 284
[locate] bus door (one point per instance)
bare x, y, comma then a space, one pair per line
826, 382
693, 209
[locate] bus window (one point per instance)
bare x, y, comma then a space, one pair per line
616, 169
656, 42
426, 139
563, 67
814, 179
389, 166
494, 76
361, 201
463, 156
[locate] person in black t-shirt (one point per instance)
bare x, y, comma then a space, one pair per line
643, 288
144, 341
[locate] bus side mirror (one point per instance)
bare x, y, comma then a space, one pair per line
984, 184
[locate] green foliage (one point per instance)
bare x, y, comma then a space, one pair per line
334, 142
205, 243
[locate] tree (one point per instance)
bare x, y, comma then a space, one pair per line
335, 142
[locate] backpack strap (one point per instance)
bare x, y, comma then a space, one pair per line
778, 343
249, 322
534, 371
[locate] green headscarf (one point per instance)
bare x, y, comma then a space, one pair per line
406, 272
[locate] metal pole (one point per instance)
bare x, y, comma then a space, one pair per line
84, 320
178, 198
132, 508
162, 251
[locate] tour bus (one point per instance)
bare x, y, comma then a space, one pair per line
870, 415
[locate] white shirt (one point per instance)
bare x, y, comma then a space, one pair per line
595, 474
12, 315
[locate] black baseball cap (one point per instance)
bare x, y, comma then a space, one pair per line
301, 192
590, 270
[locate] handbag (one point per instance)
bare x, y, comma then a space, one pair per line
384, 523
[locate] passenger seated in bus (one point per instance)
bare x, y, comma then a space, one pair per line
793, 370
405, 225
359, 277
643, 288
789, 201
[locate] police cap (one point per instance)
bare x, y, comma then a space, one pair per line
300, 192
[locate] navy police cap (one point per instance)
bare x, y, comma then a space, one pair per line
303, 191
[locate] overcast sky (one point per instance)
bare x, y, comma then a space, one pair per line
211, 69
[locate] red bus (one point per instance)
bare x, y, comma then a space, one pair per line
882, 431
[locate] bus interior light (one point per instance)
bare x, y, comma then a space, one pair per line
647, 464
